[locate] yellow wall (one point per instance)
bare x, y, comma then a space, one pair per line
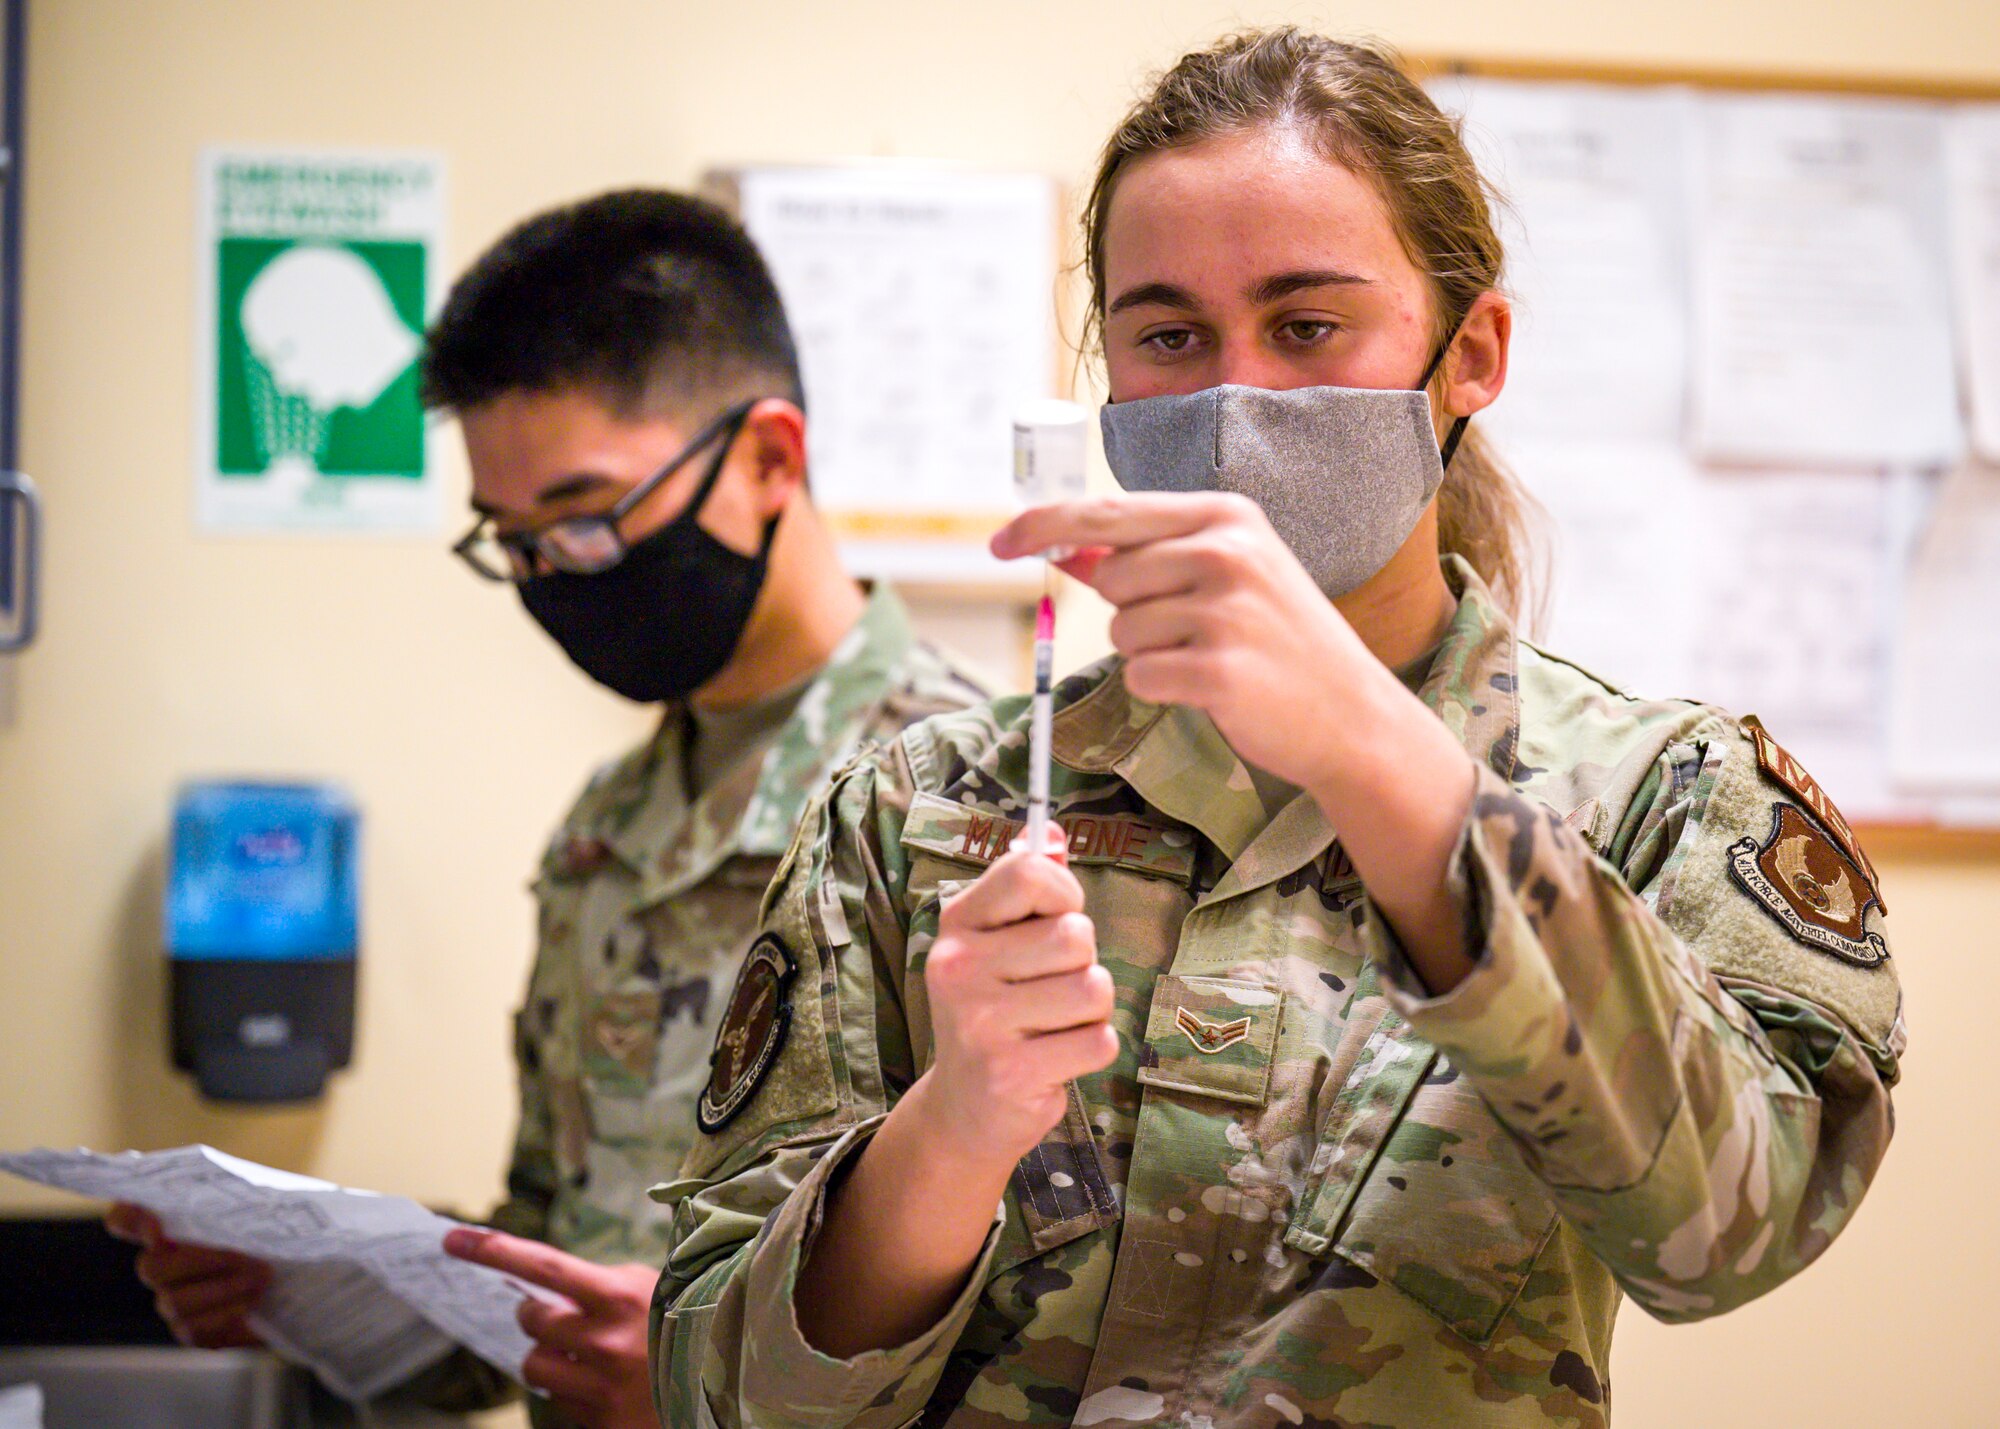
378, 662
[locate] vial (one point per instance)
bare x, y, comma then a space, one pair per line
1050, 446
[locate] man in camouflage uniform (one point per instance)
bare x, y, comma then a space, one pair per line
590, 346
1307, 1191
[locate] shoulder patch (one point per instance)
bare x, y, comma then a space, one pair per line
751, 1034
1801, 877
1791, 775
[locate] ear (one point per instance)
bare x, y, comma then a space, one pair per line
774, 445
1475, 369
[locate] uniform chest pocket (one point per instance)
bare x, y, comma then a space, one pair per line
645, 1035
1415, 1182
1212, 1036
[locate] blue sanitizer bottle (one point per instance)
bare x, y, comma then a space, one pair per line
261, 920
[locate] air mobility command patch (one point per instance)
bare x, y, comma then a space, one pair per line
752, 1032
1788, 772
1802, 877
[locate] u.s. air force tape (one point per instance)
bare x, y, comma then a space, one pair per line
752, 1032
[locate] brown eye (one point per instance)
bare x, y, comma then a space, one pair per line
1307, 331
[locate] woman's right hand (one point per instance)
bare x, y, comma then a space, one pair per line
205, 1295
1019, 1007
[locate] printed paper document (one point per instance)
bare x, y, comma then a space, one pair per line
1595, 226
1974, 149
1822, 323
363, 1295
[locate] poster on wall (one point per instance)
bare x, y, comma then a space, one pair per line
317, 271
1823, 310
922, 299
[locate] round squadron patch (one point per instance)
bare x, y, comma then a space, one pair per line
1803, 878
752, 1032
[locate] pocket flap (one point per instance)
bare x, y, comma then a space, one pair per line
1212, 1036
1060, 1187
1392, 1065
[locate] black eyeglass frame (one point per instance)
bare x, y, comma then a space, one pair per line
529, 547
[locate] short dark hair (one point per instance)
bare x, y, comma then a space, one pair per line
643, 297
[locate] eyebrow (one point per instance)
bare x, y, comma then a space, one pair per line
1165, 294
1264, 290
563, 490
1283, 285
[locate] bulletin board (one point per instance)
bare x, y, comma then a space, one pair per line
1755, 386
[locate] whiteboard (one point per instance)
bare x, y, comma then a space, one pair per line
922, 299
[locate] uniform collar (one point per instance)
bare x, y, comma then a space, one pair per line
1474, 684
1172, 755
754, 806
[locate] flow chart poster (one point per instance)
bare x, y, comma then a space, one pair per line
317, 271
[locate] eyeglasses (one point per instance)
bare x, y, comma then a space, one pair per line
588, 545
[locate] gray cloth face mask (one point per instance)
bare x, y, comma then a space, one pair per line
1342, 473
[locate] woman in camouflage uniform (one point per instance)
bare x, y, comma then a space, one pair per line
1396, 995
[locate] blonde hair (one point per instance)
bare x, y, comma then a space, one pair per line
1362, 111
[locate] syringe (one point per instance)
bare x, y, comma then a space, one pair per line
1050, 442
1041, 713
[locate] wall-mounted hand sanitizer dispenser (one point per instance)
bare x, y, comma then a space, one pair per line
262, 890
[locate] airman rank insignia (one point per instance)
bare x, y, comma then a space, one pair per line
752, 1032
1211, 1036
574, 855
1801, 876
624, 1031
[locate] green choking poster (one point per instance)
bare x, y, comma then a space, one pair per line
317, 274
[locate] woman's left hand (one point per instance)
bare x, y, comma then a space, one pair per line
1214, 612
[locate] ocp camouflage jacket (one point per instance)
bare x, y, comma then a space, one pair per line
1309, 1192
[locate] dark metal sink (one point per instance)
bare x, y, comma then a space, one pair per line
75, 1320
135, 1387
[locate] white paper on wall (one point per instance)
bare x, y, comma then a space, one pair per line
1767, 593
1800, 591
1596, 190
1946, 708
1618, 584
923, 303
1822, 324
1973, 149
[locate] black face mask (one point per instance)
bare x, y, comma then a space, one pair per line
665, 619
1451, 437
